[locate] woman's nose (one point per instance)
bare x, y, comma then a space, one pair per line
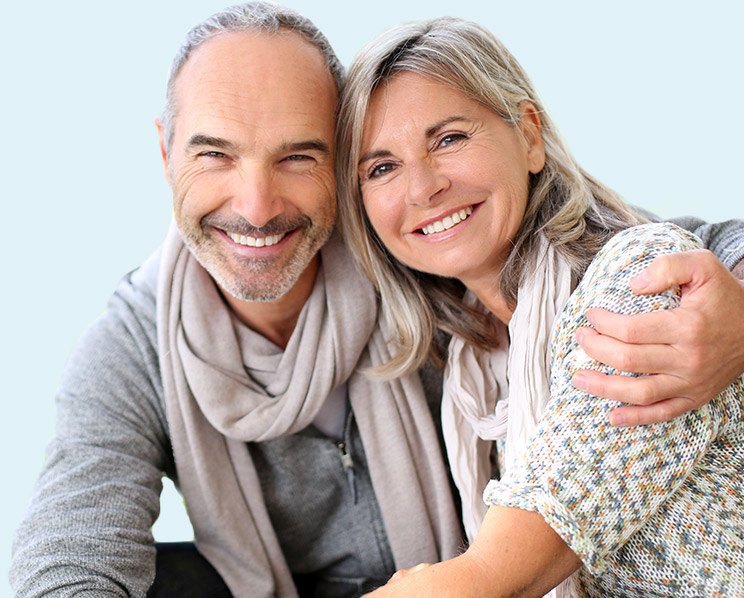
425, 182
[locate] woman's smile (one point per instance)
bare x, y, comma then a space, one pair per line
446, 223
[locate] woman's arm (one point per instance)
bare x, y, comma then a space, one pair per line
599, 486
515, 554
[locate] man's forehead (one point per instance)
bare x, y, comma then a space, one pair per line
259, 58
256, 89
245, 75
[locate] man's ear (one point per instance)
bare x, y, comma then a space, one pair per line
163, 149
530, 125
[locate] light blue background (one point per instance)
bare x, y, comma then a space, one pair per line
648, 95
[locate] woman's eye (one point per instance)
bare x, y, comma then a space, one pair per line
451, 138
380, 170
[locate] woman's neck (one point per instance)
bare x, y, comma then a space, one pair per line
488, 292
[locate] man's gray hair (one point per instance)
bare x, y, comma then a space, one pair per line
251, 16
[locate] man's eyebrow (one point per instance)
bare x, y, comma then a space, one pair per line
317, 145
199, 140
430, 132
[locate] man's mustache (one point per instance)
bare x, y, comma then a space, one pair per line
237, 224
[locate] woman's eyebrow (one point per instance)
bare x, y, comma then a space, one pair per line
432, 130
374, 154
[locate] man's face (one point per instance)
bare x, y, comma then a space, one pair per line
251, 161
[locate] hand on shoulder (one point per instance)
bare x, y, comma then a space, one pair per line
694, 351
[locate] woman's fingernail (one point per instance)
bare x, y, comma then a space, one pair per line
640, 281
617, 419
579, 380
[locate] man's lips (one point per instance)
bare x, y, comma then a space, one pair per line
255, 241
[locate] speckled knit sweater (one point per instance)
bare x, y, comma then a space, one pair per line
652, 510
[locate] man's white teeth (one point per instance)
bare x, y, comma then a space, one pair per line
255, 241
447, 221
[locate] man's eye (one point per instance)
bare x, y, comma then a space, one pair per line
298, 158
380, 170
451, 138
212, 154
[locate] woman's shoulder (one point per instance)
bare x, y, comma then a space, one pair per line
646, 240
606, 282
631, 250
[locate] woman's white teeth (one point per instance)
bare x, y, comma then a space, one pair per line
255, 241
447, 222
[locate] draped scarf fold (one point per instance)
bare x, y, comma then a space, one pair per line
215, 403
490, 395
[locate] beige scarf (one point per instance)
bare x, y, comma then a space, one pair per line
214, 406
489, 395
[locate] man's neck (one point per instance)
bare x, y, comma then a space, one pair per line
276, 320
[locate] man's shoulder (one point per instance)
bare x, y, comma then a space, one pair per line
114, 369
138, 288
133, 303
123, 339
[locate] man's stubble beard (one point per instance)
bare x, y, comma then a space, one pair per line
258, 280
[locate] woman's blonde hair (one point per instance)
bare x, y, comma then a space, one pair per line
575, 212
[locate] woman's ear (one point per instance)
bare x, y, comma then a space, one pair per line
530, 125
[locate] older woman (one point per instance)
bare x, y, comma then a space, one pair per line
452, 173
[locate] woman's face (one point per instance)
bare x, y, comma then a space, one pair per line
444, 179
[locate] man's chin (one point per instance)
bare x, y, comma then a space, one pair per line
254, 296
258, 280
256, 287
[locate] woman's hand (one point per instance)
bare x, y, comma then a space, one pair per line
401, 573
691, 353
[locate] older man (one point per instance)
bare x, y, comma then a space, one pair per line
232, 359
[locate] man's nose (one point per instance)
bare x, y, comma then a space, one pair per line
425, 182
256, 195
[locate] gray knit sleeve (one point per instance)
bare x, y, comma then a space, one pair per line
725, 239
88, 529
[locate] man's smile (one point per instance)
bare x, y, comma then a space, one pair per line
255, 241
